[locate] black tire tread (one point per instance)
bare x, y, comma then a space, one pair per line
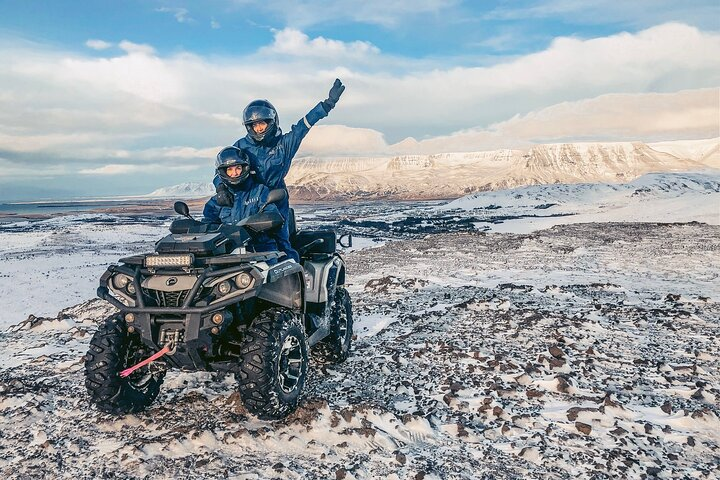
332, 349
257, 378
110, 392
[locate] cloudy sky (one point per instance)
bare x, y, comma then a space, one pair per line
113, 98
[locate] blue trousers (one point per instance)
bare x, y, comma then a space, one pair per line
283, 236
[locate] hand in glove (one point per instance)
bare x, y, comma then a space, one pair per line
224, 196
337, 89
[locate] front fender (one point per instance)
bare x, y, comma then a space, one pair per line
286, 291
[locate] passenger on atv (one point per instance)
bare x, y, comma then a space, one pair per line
271, 152
242, 196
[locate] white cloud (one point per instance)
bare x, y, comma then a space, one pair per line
639, 13
140, 73
677, 115
98, 44
685, 114
332, 140
182, 153
10, 169
294, 42
123, 169
51, 141
180, 14
137, 48
647, 117
304, 13
214, 24
664, 59
136, 106
112, 169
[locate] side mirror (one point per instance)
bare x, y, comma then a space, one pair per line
274, 196
182, 209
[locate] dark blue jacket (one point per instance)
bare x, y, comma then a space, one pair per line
248, 199
271, 162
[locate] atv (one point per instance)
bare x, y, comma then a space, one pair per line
202, 302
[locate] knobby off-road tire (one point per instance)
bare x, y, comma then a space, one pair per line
274, 364
335, 348
112, 350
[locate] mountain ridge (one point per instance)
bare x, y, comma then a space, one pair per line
454, 175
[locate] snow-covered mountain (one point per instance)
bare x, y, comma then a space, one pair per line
184, 190
704, 151
654, 185
656, 197
453, 175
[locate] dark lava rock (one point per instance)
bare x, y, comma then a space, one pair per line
583, 428
556, 352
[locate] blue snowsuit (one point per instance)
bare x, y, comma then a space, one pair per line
249, 197
271, 162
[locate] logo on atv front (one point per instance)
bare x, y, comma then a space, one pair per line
171, 281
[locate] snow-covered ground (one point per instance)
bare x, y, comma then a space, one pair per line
52, 264
660, 197
584, 350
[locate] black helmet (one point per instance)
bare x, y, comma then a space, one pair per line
261, 110
232, 156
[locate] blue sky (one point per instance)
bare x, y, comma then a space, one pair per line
128, 96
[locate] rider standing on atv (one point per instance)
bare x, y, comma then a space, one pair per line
242, 192
271, 152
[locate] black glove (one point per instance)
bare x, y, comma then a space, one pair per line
337, 89
224, 196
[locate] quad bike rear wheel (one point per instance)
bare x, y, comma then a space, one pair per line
274, 364
335, 348
112, 350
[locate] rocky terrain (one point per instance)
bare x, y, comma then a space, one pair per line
580, 351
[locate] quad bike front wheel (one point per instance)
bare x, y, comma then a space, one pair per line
335, 348
274, 364
112, 350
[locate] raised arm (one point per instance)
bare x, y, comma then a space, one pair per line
291, 141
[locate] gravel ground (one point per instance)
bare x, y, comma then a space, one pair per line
586, 350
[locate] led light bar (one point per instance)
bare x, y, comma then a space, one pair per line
185, 260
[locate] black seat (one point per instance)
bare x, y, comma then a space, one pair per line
323, 241
292, 226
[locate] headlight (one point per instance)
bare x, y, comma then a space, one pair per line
224, 288
243, 280
120, 281
169, 260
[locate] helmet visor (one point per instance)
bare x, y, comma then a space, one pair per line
258, 112
231, 156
